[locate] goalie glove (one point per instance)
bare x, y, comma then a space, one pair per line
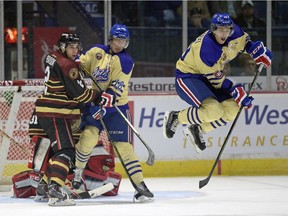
259, 53
240, 96
96, 111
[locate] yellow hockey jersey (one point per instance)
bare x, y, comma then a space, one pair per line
205, 58
111, 71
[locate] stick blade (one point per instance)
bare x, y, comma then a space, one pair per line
151, 158
204, 182
101, 190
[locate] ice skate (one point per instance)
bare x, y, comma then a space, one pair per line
170, 124
143, 195
78, 179
195, 135
58, 196
41, 192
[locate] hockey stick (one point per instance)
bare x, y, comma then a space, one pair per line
92, 193
14, 142
151, 155
205, 181
138, 189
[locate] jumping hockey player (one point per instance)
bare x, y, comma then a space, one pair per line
65, 92
214, 99
111, 67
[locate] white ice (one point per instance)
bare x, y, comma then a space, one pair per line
222, 196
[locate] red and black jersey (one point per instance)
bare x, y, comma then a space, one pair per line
65, 89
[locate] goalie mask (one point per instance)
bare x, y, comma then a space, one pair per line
121, 32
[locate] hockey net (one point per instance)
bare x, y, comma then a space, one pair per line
17, 100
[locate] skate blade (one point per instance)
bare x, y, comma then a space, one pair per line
39, 198
143, 199
166, 116
191, 140
60, 202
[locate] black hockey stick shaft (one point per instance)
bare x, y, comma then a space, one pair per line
151, 155
205, 181
118, 153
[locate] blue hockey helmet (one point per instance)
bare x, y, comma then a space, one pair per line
120, 31
221, 19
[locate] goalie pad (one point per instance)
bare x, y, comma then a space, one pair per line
101, 166
99, 171
25, 184
40, 153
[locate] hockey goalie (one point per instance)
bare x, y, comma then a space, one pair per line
98, 175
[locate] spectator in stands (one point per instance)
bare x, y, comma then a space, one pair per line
254, 26
247, 17
196, 4
247, 65
232, 7
197, 20
227, 69
161, 13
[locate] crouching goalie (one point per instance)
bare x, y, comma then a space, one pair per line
99, 175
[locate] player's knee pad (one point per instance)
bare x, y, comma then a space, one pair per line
88, 139
125, 149
212, 110
231, 109
67, 155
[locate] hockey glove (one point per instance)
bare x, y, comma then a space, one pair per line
107, 100
240, 96
96, 111
259, 53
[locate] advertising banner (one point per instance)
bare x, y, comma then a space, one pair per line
145, 85
261, 131
45, 41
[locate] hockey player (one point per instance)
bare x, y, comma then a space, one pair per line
65, 92
214, 99
111, 67
98, 173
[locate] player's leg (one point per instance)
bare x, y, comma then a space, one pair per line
83, 149
198, 119
205, 108
121, 134
88, 140
230, 109
60, 134
194, 92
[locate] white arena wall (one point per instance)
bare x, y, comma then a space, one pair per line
258, 144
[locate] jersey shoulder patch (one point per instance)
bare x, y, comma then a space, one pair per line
68, 67
73, 73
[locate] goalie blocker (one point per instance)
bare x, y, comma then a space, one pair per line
98, 172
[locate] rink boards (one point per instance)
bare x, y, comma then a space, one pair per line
258, 144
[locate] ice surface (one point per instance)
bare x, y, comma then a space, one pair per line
222, 196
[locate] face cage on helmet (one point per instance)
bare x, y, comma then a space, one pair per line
213, 27
111, 37
63, 46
